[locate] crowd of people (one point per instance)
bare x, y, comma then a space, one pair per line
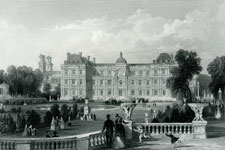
57, 124
29, 131
115, 132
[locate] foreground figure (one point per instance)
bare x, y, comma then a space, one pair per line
119, 141
174, 139
109, 127
141, 132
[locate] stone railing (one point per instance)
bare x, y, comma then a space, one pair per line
7, 144
97, 140
163, 128
89, 141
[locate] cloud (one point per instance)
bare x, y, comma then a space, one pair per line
140, 36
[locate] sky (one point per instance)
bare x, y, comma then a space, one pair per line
141, 29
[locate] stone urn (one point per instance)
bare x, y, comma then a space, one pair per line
128, 109
198, 109
199, 124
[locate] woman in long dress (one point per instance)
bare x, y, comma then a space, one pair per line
119, 140
53, 124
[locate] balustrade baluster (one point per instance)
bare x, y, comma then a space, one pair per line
188, 129
91, 141
99, 140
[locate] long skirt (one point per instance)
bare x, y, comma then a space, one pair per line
118, 142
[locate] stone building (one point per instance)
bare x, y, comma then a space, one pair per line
49, 75
82, 77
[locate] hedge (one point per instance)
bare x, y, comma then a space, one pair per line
21, 101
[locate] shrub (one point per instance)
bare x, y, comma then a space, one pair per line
107, 102
65, 112
114, 102
21, 101
74, 111
32, 118
48, 118
7, 124
55, 110
13, 110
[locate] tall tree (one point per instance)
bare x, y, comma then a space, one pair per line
188, 65
216, 69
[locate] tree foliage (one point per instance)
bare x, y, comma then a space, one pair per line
32, 118
22, 80
55, 110
216, 69
188, 65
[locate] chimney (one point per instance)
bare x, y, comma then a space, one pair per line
94, 60
88, 57
80, 53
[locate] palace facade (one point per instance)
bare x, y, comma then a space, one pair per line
82, 77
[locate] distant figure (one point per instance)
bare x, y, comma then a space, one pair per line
61, 123
94, 117
52, 128
55, 134
109, 127
57, 123
25, 132
69, 122
30, 130
174, 139
34, 132
47, 134
142, 134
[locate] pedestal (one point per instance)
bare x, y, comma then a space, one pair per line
199, 129
128, 129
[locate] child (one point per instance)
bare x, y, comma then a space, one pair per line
140, 130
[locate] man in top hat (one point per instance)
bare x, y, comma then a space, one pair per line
109, 127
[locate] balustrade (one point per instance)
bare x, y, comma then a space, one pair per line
163, 128
7, 145
97, 140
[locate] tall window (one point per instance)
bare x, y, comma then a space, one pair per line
121, 82
81, 71
141, 72
74, 91
132, 92
164, 92
148, 92
140, 92
66, 81
147, 73
163, 71
155, 92
120, 92
163, 81
74, 71
73, 81
156, 81
147, 82
101, 92
81, 92
139, 82
66, 72
101, 82
65, 92
109, 92
109, 82
81, 82
155, 72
